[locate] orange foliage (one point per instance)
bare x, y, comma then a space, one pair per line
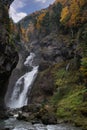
40, 19
24, 35
75, 10
64, 14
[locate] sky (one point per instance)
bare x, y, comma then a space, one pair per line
21, 8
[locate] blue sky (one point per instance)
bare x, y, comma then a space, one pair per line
21, 8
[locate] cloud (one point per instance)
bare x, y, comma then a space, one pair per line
20, 8
43, 1
18, 4
15, 15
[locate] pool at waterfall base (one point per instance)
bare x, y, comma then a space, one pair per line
14, 124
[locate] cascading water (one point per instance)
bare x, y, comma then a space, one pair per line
16, 97
23, 85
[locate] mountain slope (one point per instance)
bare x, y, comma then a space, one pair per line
58, 36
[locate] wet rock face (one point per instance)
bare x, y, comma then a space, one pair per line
36, 113
7, 2
8, 61
8, 55
50, 50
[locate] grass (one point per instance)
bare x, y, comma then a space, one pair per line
68, 93
68, 97
71, 103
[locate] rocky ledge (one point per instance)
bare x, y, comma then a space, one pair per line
34, 113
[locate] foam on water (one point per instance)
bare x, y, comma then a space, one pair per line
23, 85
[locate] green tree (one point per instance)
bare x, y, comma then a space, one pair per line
83, 69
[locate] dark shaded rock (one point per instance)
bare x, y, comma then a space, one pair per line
37, 113
8, 54
7, 2
59, 59
5, 129
32, 107
85, 97
49, 119
3, 114
83, 111
23, 116
43, 65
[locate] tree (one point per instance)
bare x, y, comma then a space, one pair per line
40, 19
74, 13
55, 16
83, 69
65, 14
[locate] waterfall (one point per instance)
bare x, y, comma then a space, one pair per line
19, 94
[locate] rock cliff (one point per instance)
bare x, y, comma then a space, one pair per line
8, 54
58, 36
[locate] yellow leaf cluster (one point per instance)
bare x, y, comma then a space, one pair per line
73, 9
40, 19
64, 14
24, 34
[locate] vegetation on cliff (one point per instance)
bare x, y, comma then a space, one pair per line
61, 33
58, 34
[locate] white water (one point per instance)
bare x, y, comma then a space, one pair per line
14, 124
23, 85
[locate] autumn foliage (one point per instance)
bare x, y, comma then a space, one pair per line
70, 14
74, 13
40, 19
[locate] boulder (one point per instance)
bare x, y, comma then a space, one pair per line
38, 113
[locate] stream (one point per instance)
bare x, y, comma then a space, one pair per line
17, 96
14, 124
